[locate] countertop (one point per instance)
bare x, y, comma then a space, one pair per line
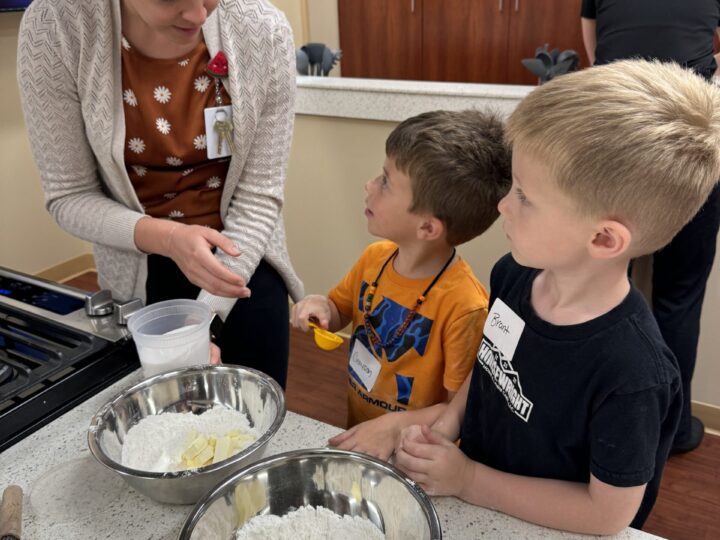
392, 100
68, 495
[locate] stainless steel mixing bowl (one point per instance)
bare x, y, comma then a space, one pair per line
345, 482
194, 389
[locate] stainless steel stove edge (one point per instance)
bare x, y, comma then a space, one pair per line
104, 327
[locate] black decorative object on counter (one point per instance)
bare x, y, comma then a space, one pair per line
316, 59
548, 64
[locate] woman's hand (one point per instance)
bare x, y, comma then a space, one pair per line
190, 246
215, 355
313, 306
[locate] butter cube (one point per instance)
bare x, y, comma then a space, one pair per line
222, 449
204, 457
197, 446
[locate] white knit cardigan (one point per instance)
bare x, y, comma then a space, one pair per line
69, 72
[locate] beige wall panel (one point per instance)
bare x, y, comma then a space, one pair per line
30, 240
295, 11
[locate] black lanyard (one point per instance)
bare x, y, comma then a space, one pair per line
370, 330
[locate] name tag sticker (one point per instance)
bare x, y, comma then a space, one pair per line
364, 367
503, 327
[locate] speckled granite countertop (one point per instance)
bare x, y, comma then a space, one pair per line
389, 100
68, 495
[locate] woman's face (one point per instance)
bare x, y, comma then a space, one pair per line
179, 21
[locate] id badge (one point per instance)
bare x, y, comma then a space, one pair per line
364, 367
218, 131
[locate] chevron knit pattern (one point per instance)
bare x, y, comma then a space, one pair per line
69, 73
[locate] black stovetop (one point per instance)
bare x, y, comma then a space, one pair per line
46, 368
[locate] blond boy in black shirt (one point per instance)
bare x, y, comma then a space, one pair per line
569, 414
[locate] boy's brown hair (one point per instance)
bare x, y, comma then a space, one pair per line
634, 141
459, 168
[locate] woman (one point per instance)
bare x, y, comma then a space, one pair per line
115, 95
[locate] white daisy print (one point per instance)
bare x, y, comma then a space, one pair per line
213, 182
200, 142
137, 145
174, 161
183, 63
187, 171
129, 98
176, 214
125, 44
202, 83
170, 195
162, 94
139, 170
163, 126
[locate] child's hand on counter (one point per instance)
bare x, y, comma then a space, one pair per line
433, 461
377, 437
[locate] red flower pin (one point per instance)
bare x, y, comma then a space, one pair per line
218, 66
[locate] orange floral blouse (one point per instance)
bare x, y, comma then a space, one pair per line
165, 143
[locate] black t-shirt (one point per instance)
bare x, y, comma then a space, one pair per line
670, 30
601, 397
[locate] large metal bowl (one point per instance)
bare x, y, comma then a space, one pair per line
346, 482
193, 389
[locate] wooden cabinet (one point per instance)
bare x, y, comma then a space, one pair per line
453, 40
536, 22
464, 40
381, 39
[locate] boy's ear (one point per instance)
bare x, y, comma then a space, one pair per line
611, 239
431, 228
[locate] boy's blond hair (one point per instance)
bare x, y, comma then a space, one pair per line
459, 167
635, 141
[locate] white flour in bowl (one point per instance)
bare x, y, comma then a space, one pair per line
309, 523
156, 442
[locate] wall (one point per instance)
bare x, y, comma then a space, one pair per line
30, 240
296, 13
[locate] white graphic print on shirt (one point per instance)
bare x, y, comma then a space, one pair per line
501, 334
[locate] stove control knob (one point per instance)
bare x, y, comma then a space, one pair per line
99, 304
123, 311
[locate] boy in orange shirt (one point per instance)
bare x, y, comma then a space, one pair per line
417, 310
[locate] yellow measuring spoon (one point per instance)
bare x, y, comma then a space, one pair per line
325, 339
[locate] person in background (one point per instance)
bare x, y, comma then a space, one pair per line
570, 412
161, 131
416, 308
679, 32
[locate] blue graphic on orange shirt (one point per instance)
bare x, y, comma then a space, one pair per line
404, 386
386, 318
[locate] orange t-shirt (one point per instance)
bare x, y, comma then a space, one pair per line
165, 141
437, 350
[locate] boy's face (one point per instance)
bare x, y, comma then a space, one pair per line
540, 221
389, 197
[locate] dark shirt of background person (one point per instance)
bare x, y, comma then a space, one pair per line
688, 40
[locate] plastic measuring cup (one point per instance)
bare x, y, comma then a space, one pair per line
171, 335
325, 339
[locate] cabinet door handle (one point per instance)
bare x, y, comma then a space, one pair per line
517, 6
412, 6
500, 5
